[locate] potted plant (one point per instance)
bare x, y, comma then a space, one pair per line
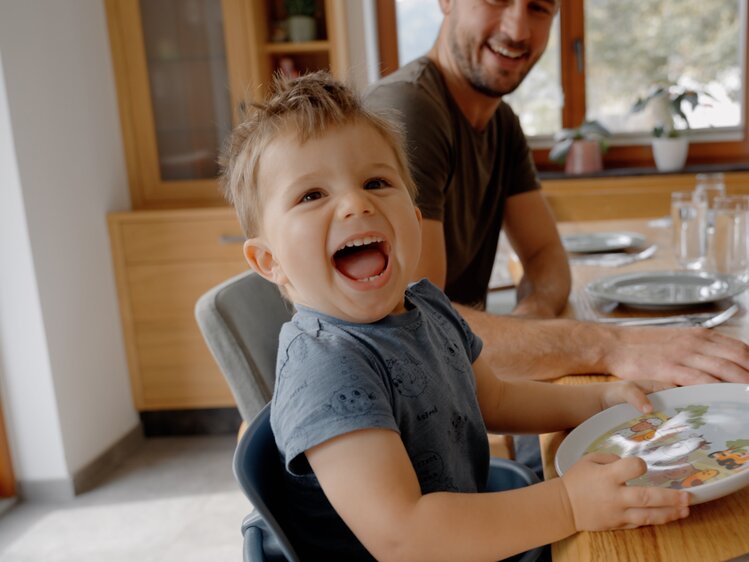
670, 144
580, 149
301, 22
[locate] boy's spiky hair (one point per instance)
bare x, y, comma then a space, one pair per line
311, 104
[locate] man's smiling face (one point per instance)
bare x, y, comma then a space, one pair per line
495, 43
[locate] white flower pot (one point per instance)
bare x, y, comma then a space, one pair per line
302, 28
670, 154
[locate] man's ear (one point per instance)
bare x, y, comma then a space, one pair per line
260, 258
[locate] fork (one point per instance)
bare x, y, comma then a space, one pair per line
704, 320
614, 260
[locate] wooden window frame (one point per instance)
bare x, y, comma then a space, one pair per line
572, 29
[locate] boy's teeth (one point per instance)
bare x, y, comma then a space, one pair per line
362, 241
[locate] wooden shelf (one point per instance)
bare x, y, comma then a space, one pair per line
295, 48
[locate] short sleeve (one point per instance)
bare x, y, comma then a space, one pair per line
326, 386
428, 139
524, 175
438, 300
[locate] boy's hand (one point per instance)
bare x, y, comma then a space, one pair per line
600, 499
632, 392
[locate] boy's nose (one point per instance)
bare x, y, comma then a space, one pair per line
355, 203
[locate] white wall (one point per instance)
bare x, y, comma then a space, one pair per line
64, 383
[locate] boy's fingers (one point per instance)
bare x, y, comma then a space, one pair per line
630, 467
601, 458
641, 496
639, 516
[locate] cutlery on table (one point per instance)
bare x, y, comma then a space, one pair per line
704, 319
614, 259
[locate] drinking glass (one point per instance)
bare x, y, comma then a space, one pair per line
728, 252
688, 214
708, 188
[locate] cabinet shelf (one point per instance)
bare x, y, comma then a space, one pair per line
293, 48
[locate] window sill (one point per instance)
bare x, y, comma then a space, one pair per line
645, 171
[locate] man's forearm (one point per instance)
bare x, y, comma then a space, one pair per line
538, 349
545, 286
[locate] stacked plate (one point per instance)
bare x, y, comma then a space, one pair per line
666, 289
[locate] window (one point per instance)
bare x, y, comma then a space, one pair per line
605, 54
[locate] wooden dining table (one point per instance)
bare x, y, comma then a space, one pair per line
714, 531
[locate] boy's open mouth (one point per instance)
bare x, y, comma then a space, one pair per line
362, 259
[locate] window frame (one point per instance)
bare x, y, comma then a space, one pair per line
625, 152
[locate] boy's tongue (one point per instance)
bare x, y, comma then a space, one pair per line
361, 264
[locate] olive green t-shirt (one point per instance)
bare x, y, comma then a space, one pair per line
464, 176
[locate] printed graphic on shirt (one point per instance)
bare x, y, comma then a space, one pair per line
457, 427
407, 375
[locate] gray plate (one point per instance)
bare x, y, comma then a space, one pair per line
593, 242
666, 289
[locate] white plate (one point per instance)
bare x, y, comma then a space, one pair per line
594, 242
697, 439
666, 289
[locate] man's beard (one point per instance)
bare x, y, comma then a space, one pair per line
474, 76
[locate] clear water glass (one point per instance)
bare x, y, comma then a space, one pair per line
688, 215
708, 188
728, 253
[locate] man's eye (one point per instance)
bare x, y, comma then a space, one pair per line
376, 183
310, 196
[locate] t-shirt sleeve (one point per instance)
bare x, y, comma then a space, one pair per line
525, 176
438, 300
326, 386
428, 143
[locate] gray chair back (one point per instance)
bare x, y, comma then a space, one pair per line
240, 320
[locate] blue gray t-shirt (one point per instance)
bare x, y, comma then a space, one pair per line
410, 373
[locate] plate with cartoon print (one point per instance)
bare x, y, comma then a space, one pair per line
696, 439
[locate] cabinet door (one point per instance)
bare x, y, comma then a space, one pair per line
164, 261
182, 67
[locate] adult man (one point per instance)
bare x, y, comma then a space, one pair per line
474, 171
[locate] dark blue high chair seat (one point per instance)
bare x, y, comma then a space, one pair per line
258, 469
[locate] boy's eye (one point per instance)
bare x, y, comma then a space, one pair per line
376, 183
310, 196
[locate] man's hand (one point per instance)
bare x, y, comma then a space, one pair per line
680, 356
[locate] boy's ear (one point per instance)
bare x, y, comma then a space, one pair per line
260, 258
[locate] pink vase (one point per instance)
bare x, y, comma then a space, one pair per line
584, 157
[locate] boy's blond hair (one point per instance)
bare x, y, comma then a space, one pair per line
310, 105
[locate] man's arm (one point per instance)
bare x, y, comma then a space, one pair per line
546, 349
532, 231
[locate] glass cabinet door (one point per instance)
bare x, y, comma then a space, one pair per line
188, 83
182, 67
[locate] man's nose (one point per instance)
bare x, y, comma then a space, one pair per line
515, 21
355, 203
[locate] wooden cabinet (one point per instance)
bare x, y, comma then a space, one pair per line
184, 67
164, 261
624, 197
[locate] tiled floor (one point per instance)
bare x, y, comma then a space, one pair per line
174, 500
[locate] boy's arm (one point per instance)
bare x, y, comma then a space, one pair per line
369, 480
542, 407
